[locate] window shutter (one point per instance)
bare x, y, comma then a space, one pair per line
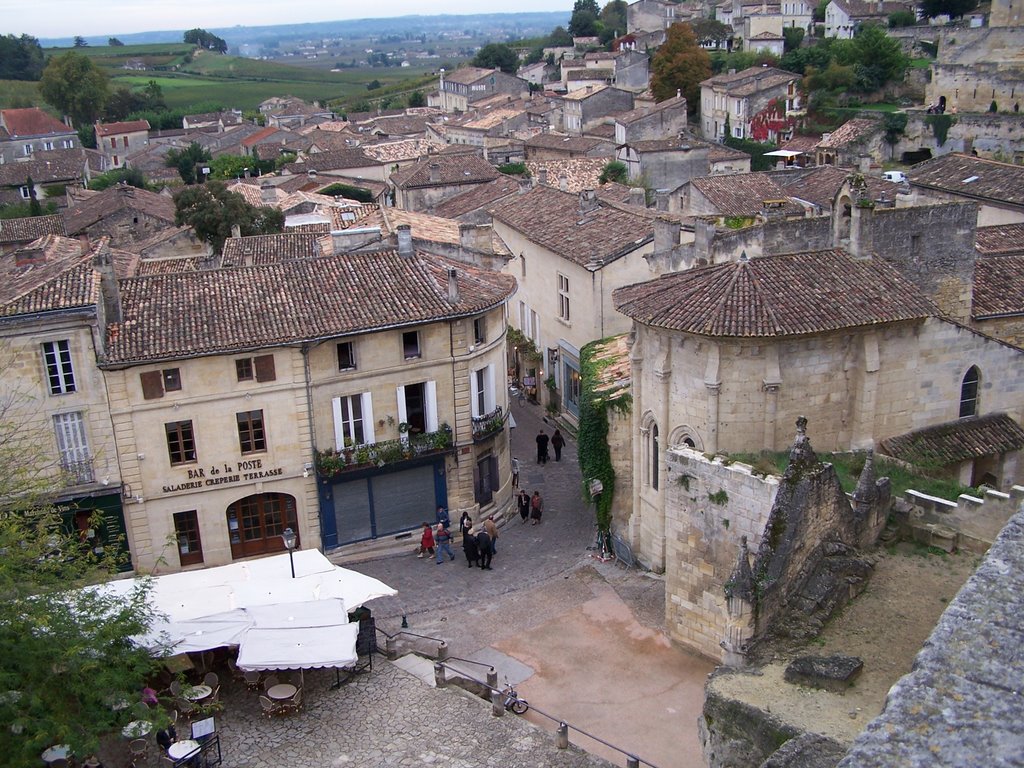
489, 398
367, 405
339, 424
152, 384
402, 416
430, 395
474, 396
265, 368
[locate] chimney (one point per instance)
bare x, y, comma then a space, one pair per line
666, 234
588, 201
453, 285
661, 200
236, 231
862, 236
638, 197
345, 240
435, 173
476, 237
103, 262
525, 185
405, 241
267, 195
542, 176
703, 238
563, 182
679, 93
773, 210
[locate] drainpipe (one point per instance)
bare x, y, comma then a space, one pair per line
304, 349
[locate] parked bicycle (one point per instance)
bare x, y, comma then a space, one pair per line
515, 390
512, 701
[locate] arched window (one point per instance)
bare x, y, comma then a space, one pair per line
655, 456
969, 392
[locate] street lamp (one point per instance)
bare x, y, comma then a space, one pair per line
289, 543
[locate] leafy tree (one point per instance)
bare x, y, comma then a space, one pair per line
710, 30
756, 150
235, 166
113, 42
880, 58
497, 56
680, 64
81, 42
614, 171
417, 99
207, 40
560, 38
188, 161
613, 19
211, 210
75, 86
34, 208
154, 96
583, 22
131, 176
67, 653
895, 124
21, 58
373, 85
793, 36
952, 8
819, 11
899, 19
818, 56
123, 102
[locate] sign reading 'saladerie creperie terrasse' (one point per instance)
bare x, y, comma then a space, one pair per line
244, 471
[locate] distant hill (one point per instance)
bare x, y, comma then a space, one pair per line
493, 25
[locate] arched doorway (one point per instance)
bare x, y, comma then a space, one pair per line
255, 523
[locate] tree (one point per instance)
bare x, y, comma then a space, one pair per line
895, 124
583, 22
81, 42
154, 96
899, 19
417, 99
613, 20
710, 30
952, 8
211, 210
235, 166
497, 56
131, 176
113, 42
207, 40
793, 36
680, 64
75, 86
614, 171
560, 38
188, 161
21, 58
818, 14
879, 58
67, 651
34, 208
121, 103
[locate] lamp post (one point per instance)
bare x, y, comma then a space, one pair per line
289, 543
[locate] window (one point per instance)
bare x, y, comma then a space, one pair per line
485, 479
186, 532
47, 145
261, 368
124, 142
411, 345
256, 523
113, 142
181, 444
563, 298
60, 374
480, 395
73, 446
479, 330
969, 392
251, 436
655, 457
353, 420
156, 383
26, 193
28, 150
67, 144
346, 356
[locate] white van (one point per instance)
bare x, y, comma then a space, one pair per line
897, 177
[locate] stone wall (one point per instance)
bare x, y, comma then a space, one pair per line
1010, 329
620, 445
978, 66
974, 521
994, 136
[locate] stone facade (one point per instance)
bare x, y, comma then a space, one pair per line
995, 136
589, 106
976, 67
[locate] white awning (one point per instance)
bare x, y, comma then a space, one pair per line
784, 153
306, 648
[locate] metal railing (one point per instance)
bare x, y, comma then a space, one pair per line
78, 472
331, 462
488, 424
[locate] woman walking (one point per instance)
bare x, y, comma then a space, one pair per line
536, 508
523, 500
558, 443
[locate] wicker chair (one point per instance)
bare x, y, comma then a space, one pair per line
269, 682
211, 679
252, 680
295, 702
175, 687
139, 749
269, 707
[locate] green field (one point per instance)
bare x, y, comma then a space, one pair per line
183, 90
19, 93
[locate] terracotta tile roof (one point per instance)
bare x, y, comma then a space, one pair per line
114, 199
852, 130
553, 219
452, 170
49, 274
162, 236
1001, 238
468, 75
563, 143
252, 192
587, 73
398, 125
395, 151
374, 186
491, 119
188, 314
998, 286
126, 263
802, 144
673, 144
354, 216
31, 121
720, 153
791, 295
478, 197
584, 93
268, 249
626, 118
957, 441
28, 229
604, 131
270, 133
332, 161
109, 129
167, 266
751, 80
863, 9
580, 172
971, 176
334, 141
818, 185
742, 194
317, 228
59, 165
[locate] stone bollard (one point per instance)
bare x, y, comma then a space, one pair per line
440, 680
497, 703
492, 678
442, 650
632, 762
562, 740
390, 649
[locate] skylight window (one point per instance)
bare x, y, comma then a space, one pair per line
969, 179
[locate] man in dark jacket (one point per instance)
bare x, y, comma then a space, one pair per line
483, 545
542, 448
470, 548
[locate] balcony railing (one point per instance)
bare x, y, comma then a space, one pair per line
78, 472
331, 462
489, 424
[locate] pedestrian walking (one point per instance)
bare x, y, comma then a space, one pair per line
426, 542
536, 508
542, 447
470, 548
515, 472
558, 442
443, 537
442, 518
523, 500
483, 545
492, 531
465, 524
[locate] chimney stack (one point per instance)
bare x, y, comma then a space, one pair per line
476, 237
405, 241
453, 285
588, 201
236, 231
661, 200
638, 197
542, 176
267, 195
435, 173
563, 182
666, 234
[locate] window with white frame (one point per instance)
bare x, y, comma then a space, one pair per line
73, 446
28, 150
481, 385
353, 420
67, 144
563, 298
59, 372
47, 145
346, 356
26, 193
480, 330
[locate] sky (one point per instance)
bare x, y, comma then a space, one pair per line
66, 18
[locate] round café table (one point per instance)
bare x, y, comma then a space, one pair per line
136, 729
281, 691
56, 752
182, 749
196, 692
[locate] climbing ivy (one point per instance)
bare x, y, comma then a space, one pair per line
525, 346
940, 125
594, 454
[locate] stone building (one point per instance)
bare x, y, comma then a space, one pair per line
123, 213
997, 188
369, 391
976, 68
116, 141
737, 98
436, 178
457, 91
586, 107
662, 121
844, 17
24, 132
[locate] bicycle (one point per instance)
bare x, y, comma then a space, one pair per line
516, 391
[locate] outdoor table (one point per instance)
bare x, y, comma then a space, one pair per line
56, 752
182, 749
196, 692
136, 729
281, 691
